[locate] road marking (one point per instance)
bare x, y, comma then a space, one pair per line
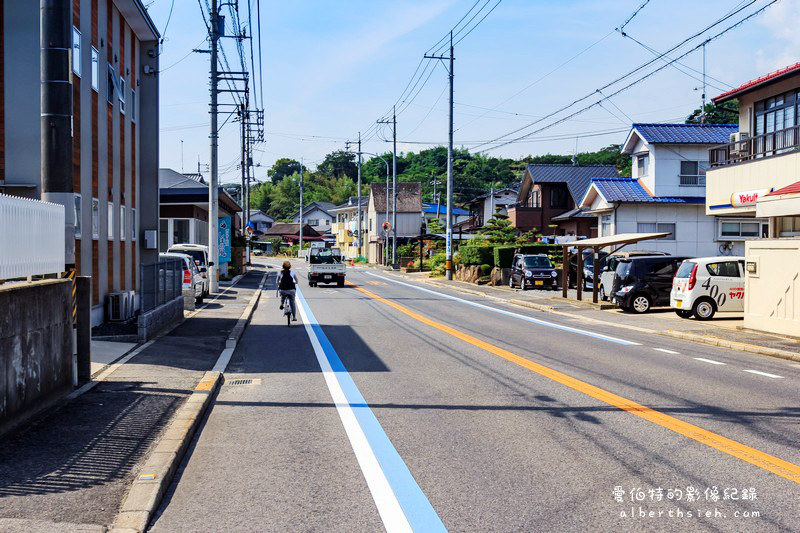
710, 361
517, 315
401, 503
773, 376
667, 351
736, 449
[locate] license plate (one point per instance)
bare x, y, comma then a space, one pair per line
538, 282
678, 303
327, 276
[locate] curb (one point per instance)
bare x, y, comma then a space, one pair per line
699, 339
156, 475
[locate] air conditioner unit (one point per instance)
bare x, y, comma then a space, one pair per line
737, 140
118, 306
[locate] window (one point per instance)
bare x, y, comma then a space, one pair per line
122, 222
121, 93
76, 51
739, 230
605, 225
180, 231
95, 69
95, 218
133, 224
658, 227
77, 216
789, 227
558, 197
666, 267
133, 105
693, 173
728, 269
110, 221
312, 222
642, 164
111, 84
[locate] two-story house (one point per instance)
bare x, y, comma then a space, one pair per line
548, 200
409, 216
755, 178
483, 208
667, 191
345, 225
260, 222
316, 215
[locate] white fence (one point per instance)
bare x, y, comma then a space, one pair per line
31, 237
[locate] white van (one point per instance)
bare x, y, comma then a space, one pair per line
199, 253
705, 285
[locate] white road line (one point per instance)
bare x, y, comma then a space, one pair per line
554, 325
711, 361
773, 376
667, 351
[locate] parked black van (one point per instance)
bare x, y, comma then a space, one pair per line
643, 282
533, 270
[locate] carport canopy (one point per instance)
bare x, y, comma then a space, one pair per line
596, 244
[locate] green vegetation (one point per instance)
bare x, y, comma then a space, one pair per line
717, 114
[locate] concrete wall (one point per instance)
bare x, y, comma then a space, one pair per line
35, 347
772, 292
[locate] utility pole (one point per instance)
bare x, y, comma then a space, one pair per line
393, 122
301, 207
448, 265
703, 109
213, 195
358, 196
242, 196
491, 192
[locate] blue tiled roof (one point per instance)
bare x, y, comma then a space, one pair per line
431, 208
630, 190
686, 133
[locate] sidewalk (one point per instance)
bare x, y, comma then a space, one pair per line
724, 331
71, 469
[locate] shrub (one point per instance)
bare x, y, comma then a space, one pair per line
486, 269
437, 260
476, 255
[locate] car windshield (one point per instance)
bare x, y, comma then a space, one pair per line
538, 262
624, 269
325, 256
197, 255
685, 269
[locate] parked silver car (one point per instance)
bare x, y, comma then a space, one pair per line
192, 282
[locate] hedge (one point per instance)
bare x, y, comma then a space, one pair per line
476, 255
504, 255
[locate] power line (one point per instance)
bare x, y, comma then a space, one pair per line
636, 12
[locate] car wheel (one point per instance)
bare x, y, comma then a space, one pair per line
704, 309
340, 283
601, 293
641, 303
683, 313
511, 281
523, 284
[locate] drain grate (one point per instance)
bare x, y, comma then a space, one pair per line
243, 382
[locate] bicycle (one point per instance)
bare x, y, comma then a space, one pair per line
287, 309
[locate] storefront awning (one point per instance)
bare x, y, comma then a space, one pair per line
784, 202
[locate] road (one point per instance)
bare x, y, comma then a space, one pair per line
395, 405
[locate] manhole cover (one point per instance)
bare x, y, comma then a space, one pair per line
243, 382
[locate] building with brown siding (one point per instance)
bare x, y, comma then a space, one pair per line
115, 132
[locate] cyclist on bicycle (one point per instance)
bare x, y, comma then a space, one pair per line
286, 287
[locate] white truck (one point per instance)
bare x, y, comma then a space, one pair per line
326, 266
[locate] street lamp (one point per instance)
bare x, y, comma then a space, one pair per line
386, 235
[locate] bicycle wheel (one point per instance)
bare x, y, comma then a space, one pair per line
288, 319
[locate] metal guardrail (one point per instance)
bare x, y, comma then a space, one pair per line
32, 237
160, 283
757, 147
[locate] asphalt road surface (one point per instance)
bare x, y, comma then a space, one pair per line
397, 405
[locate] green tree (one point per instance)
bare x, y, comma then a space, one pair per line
436, 225
339, 163
716, 114
284, 197
498, 230
284, 167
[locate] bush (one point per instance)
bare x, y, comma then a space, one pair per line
476, 255
405, 250
438, 260
486, 269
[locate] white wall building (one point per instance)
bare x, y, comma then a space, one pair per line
666, 192
317, 216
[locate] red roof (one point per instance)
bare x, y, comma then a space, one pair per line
789, 189
752, 84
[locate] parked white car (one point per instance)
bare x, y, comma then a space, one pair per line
199, 253
705, 285
192, 281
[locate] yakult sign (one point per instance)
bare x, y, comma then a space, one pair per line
746, 198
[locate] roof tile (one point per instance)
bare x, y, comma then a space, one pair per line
686, 133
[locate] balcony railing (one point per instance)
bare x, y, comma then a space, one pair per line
765, 145
692, 180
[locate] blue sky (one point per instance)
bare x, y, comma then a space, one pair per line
332, 67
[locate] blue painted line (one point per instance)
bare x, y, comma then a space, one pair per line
418, 510
721, 206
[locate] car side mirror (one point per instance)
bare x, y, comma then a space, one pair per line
211, 263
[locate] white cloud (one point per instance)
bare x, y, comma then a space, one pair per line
782, 21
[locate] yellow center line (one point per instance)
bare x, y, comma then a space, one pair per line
755, 457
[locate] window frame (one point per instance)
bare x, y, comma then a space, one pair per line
133, 107
95, 218
95, 69
75, 56
642, 164
559, 193
121, 96
133, 224
111, 85
122, 225
761, 224
110, 220
660, 229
